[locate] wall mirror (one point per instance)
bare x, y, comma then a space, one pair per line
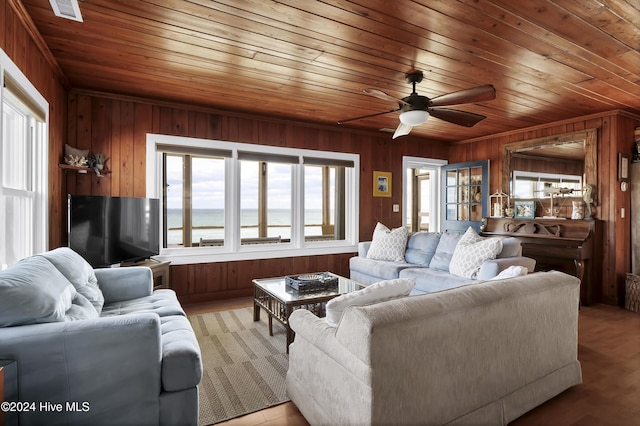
566, 161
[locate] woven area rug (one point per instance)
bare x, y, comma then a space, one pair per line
244, 367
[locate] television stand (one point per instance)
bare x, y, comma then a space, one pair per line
159, 269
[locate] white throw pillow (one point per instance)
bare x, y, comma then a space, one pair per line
388, 244
511, 272
471, 252
374, 293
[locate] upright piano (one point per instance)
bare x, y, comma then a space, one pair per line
571, 246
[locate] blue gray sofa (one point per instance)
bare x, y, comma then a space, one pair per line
427, 257
99, 342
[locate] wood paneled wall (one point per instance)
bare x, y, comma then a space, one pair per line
23, 44
117, 126
615, 135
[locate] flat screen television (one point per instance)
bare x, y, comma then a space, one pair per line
110, 230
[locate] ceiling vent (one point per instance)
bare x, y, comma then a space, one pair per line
68, 9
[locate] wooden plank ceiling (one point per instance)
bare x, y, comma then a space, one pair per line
310, 60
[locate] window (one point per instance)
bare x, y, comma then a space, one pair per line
193, 200
266, 198
23, 154
227, 201
325, 198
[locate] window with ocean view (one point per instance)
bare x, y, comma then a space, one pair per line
193, 200
265, 199
223, 199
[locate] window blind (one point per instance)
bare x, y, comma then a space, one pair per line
314, 161
192, 150
16, 91
266, 157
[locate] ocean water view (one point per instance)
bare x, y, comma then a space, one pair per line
209, 224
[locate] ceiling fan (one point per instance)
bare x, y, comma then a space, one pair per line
416, 109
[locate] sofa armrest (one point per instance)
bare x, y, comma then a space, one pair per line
363, 248
491, 268
113, 364
120, 284
314, 331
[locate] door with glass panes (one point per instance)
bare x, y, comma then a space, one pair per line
465, 194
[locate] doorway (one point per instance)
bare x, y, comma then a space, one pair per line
421, 197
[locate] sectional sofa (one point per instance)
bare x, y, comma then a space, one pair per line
99, 344
426, 259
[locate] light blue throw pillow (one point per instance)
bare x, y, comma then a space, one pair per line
444, 252
34, 291
79, 272
421, 247
80, 309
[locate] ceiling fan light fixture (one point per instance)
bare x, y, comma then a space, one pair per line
414, 117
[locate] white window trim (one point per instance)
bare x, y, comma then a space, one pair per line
233, 250
429, 164
41, 154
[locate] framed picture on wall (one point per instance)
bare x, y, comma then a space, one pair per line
382, 184
524, 209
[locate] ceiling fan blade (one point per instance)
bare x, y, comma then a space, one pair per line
402, 130
381, 95
454, 116
466, 96
367, 116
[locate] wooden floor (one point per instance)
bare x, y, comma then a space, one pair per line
608, 349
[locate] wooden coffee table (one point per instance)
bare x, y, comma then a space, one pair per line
279, 301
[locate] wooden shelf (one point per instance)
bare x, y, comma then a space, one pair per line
81, 170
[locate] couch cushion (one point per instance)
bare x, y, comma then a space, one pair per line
433, 280
446, 246
181, 363
161, 302
79, 272
33, 291
80, 309
377, 268
378, 292
421, 246
472, 250
388, 244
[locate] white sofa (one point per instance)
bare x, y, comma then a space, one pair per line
484, 353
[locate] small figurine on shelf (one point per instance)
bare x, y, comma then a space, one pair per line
577, 211
75, 160
75, 157
586, 196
